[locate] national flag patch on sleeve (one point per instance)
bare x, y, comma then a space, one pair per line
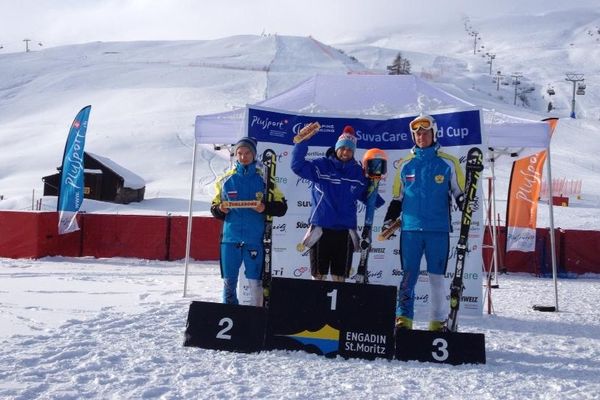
410, 177
232, 194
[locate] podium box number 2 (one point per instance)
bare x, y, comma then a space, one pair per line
225, 327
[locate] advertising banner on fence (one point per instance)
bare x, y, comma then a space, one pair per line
522, 202
458, 130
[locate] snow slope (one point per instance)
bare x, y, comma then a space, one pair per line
144, 100
145, 96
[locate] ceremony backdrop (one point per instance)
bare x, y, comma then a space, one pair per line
458, 131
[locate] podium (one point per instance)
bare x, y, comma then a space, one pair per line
326, 318
332, 318
225, 327
440, 347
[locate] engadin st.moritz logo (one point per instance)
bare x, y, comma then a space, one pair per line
325, 339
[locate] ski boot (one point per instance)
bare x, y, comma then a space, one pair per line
403, 323
437, 326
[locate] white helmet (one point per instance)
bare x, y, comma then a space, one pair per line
426, 122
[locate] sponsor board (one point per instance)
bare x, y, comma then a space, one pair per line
458, 132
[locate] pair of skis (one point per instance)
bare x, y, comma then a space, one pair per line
269, 160
374, 165
362, 273
474, 166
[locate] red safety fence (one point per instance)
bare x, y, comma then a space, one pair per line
576, 253
35, 235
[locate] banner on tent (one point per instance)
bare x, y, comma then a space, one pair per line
522, 202
458, 131
460, 128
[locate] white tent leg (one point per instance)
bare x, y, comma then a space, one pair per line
494, 226
188, 235
551, 216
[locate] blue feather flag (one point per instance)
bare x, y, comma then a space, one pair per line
70, 195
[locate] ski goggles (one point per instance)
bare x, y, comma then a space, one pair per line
374, 163
424, 123
376, 168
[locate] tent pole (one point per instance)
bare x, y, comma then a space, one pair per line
551, 216
188, 235
493, 223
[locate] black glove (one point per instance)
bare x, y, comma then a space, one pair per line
460, 202
393, 211
365, 244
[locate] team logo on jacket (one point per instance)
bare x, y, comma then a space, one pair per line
253, 254
259, 196
439, 179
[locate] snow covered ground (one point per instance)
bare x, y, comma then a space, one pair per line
86, 328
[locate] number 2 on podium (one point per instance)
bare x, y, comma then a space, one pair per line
228, 323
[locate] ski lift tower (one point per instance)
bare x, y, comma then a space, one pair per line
498, 79
578, 88
476, 37
516, 81
491, 57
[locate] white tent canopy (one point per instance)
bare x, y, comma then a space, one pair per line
376, 96
373, 96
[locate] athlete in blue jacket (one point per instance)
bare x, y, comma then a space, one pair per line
338, 181
243, 228
423, 185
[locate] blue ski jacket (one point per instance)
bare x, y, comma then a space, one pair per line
245, 225
424, 183
336, 187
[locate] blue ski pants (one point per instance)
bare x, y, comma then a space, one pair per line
232, 256
413, 245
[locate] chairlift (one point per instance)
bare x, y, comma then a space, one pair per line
580, 91
581, 86
551, 91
